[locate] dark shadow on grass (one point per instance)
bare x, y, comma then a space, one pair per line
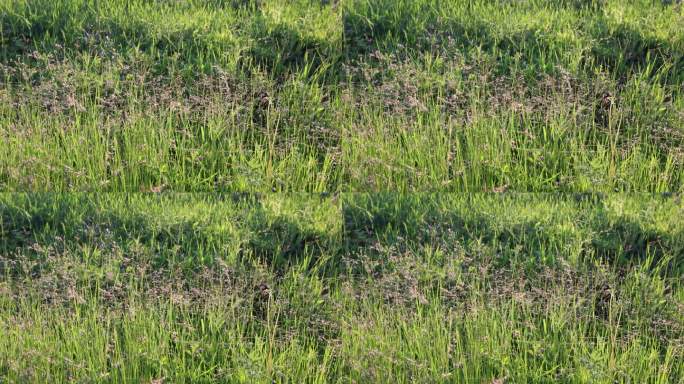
26, 216
581, 5
626, 50
49, 27
281, 242
375, 27
282, 50
72, 220
627, 242
389, 29
389, 219
411, 29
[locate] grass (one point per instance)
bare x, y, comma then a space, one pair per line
356, 95
466, 191
354, 288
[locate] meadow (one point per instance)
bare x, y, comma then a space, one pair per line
361, 288
341, 191
354, 96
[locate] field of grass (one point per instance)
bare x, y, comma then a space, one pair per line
342, 191
359, 288
355, 95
